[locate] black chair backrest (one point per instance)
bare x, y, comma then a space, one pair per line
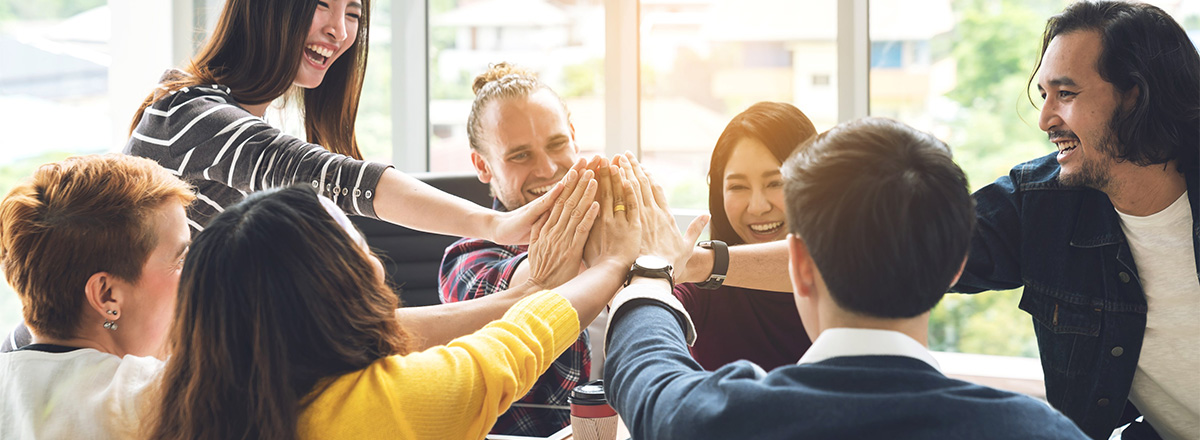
411, 258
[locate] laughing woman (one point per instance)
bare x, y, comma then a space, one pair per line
746, 202
205, 122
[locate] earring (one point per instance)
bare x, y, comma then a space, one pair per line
111, 325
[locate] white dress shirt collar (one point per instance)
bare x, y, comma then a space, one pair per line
839, 342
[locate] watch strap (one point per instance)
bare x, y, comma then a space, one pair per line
720, 264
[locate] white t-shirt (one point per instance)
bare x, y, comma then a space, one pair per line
1166, 386
81, 394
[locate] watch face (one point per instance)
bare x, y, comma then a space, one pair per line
653, 262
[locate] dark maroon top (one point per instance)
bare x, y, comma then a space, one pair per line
733, 323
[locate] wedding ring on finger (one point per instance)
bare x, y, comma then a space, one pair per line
619, 208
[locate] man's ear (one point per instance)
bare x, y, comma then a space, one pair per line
801, 267
1129, 98
481, 167
103, 295
958, 275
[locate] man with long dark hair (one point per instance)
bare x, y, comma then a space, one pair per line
1102, 234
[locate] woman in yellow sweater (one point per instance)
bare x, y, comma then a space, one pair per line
285, 328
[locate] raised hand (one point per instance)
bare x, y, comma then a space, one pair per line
609, 184
623, 229
660, 235
514, 227
557, 238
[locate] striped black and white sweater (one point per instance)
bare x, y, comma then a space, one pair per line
203, 136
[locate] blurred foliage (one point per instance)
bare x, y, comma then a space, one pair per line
688, 193
985, 323
373, 129
44, 9
459, 88
583, 79
441, 38
996, 127
1191, 22
15, 172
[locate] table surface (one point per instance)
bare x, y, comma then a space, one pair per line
564, 434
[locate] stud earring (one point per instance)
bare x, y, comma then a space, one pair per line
112, 312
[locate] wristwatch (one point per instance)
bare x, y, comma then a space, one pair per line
650, 266
720, 264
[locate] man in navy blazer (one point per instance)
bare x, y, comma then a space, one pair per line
880, 220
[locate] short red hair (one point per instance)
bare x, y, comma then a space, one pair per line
74, 218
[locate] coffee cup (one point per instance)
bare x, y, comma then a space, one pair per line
591, 416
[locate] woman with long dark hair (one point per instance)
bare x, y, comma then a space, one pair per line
745, 198
205, 122
285, 329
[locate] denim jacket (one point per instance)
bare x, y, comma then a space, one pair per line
1066, 246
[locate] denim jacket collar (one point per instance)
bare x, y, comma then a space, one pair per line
1099, 225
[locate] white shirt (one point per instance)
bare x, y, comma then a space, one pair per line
839, 342
1166, 385
82, 394
596, 342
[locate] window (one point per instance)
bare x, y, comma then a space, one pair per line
703, 62
887, 54
563, 41
54, 94
820, 80
373, 129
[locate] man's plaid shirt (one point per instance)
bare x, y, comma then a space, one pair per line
474, 268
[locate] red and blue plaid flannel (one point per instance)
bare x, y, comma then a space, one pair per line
474, 268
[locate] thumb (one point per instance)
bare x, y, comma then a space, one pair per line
696, 227
542, 205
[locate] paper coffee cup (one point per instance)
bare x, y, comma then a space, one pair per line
591, 416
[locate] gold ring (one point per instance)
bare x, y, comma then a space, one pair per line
618, 208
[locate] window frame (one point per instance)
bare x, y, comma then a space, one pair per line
410, 71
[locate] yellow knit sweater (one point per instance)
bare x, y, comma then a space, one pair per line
454, 391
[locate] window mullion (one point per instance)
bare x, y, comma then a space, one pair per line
621, 75
853, 45
410, 86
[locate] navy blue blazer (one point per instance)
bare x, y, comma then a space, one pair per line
662, 393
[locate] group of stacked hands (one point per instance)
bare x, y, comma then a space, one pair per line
209, 284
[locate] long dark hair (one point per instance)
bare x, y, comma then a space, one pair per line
779, 126
255, 50
1142, 47
274, 296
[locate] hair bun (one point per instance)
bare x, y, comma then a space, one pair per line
497, 71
